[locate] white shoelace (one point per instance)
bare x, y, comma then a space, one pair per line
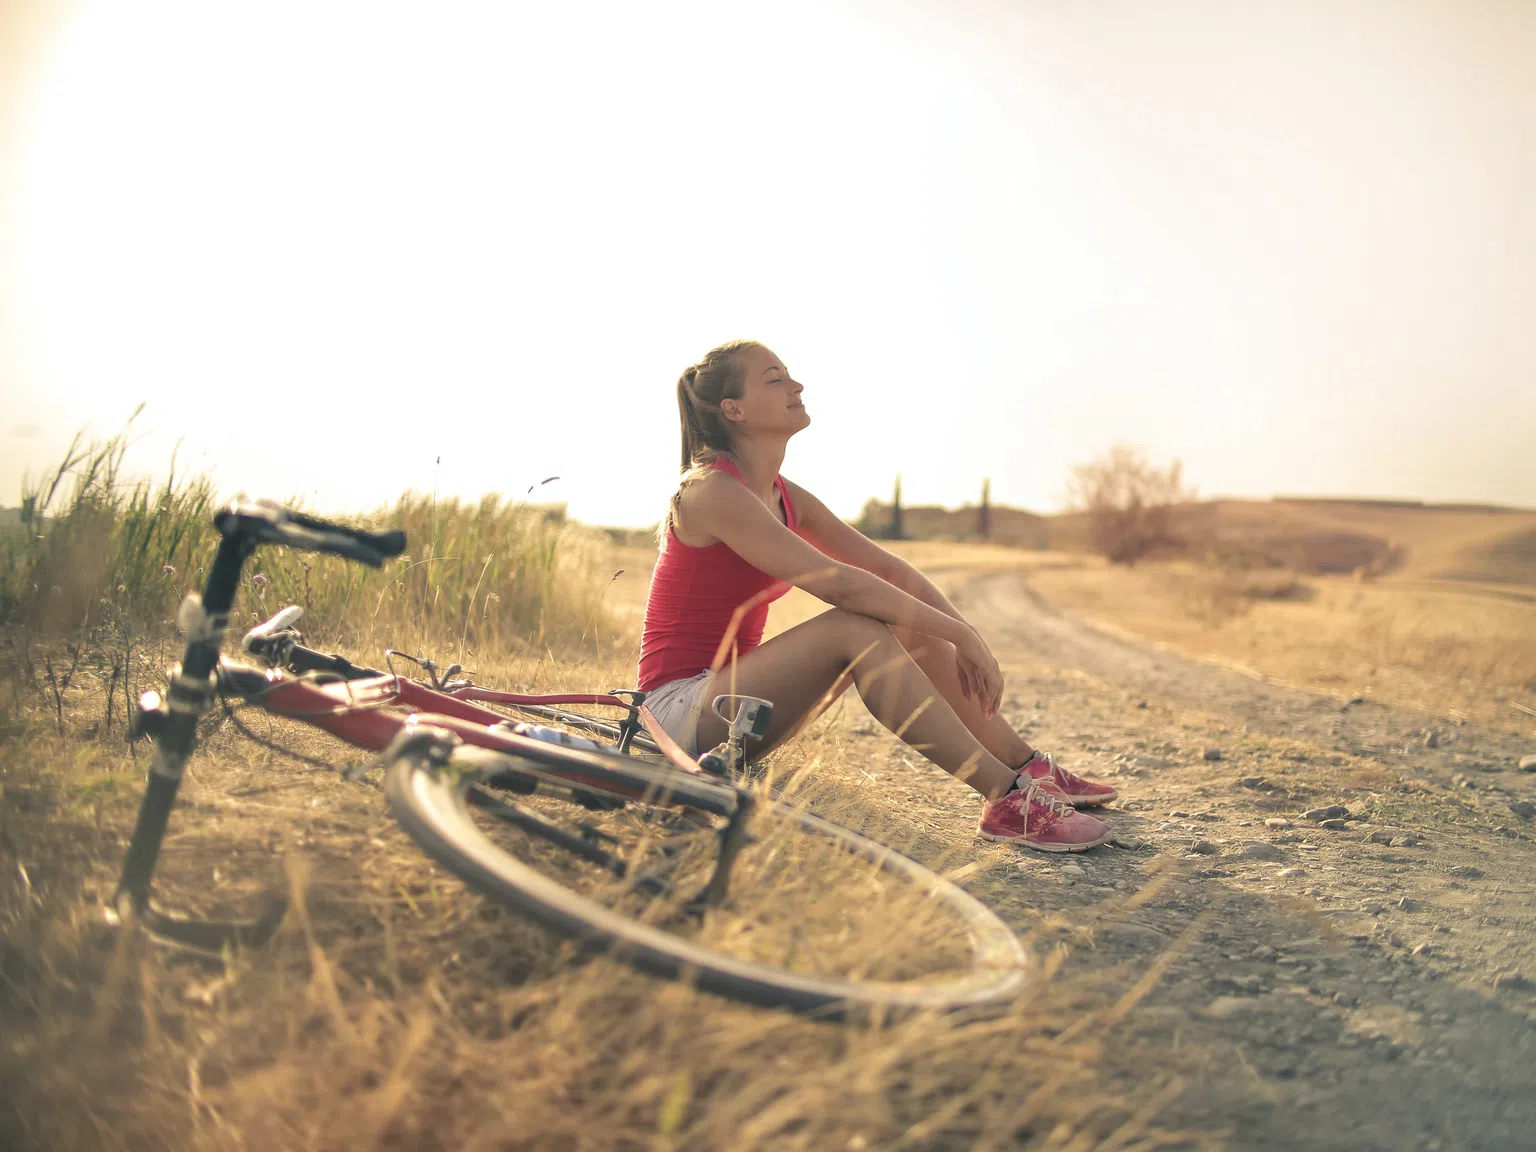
1034, 794
1056, 770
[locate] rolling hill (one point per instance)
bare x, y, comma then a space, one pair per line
1407, 539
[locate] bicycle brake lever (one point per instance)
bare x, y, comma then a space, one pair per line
284, 621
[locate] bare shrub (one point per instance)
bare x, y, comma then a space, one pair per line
1128, 502
1277, 586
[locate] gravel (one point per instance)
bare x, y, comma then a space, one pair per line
1137, 934
1263, 850
1331, 812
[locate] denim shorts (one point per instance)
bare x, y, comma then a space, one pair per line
678, 705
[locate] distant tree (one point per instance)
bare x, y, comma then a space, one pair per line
984, 512
896, 525
871, 519
1128, 502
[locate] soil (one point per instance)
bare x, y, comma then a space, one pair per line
1346, 915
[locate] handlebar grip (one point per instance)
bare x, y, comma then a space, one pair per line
265, 521
386, 544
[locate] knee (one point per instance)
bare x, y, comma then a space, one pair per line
859, 631
920, 646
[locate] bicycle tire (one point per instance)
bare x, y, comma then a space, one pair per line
431, 806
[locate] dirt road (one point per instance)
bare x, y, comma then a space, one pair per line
1351, 906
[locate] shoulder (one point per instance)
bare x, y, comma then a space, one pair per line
707, 488
808, 509
700, 498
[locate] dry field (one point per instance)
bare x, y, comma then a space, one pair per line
1485, 545
1338, 987
396, 1009
1452, 650
1431, 607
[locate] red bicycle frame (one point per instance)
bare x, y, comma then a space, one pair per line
370, 713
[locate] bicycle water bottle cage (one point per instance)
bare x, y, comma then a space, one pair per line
267, 522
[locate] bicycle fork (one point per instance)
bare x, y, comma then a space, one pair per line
171, 722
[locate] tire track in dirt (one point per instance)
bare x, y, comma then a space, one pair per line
1005, 605
1367, 985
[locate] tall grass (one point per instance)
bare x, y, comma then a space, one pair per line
92, 543
98, 550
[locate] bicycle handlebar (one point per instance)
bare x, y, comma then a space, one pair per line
267, 522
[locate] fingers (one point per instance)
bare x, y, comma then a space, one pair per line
962, 673
980, 684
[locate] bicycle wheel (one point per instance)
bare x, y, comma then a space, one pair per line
819, 919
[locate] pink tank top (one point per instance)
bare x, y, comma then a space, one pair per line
694, 592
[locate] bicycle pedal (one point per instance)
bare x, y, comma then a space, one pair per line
752, 716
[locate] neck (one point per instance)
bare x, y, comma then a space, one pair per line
759, 462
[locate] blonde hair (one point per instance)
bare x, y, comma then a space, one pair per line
706, 432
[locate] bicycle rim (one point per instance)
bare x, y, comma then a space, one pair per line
433, 808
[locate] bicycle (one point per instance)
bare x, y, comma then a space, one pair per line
652, 887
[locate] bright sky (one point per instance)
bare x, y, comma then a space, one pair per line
1292, 242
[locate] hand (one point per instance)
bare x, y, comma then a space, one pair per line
981, 680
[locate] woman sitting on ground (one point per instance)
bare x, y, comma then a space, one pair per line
737, 531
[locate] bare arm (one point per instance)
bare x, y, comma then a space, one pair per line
844, 542
722, 508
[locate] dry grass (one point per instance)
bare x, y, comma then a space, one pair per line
396, 1009
1451, 650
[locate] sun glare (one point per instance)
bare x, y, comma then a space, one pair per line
475, 236
991, 239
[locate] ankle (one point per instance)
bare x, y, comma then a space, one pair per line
995, 794
1028, 757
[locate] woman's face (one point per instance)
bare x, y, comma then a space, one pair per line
770, 397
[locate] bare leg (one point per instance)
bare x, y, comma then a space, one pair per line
799, 668
937, 660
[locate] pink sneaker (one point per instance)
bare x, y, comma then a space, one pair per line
1080, 793
1036, 816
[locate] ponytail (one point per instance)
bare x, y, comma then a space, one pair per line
706, 433
689, 416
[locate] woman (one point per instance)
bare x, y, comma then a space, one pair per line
738, 532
